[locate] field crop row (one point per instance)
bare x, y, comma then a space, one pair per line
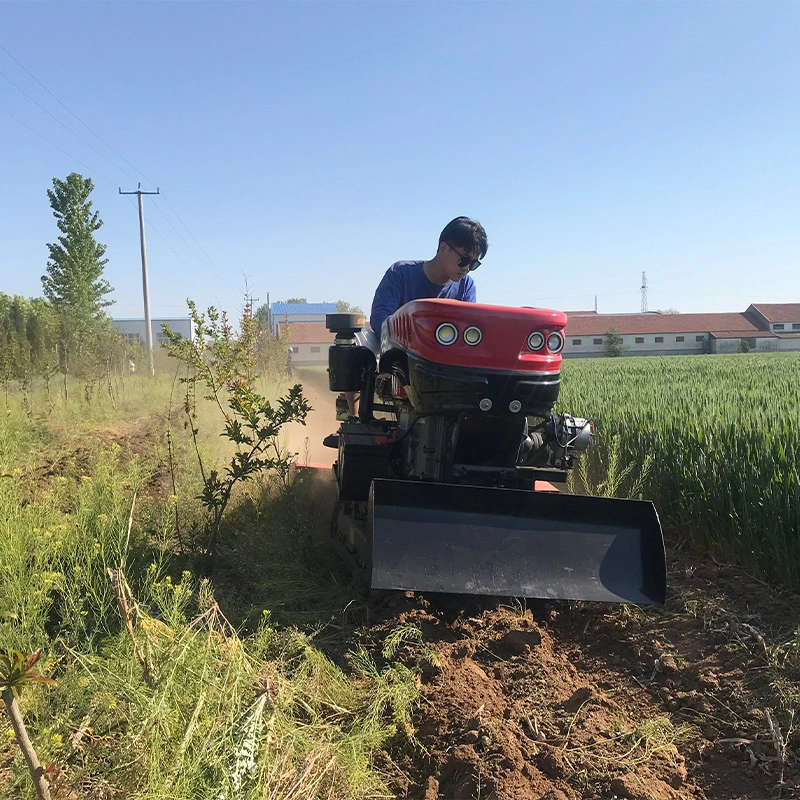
724, 436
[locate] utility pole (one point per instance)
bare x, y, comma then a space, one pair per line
249, 302
145, 289
644, 293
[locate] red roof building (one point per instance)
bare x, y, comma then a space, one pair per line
309, 342
765, 327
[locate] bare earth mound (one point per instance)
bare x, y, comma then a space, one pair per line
571, 700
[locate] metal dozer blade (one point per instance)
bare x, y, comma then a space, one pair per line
473, 540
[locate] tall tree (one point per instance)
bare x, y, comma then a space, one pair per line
74, 281
343, 307
263, 317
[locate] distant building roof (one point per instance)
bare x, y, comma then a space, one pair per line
750, 334
779, 312
596, 325
281, 309
306, 332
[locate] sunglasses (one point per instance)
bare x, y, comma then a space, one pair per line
465, 261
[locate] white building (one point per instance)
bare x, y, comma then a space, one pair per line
761, 328
308, 341
133, 329
783, 319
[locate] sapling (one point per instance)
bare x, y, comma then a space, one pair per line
224, 362
16, 672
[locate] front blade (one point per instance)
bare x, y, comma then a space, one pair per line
476, 540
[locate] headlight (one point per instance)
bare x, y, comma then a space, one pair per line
535, 341
473, 336
446, 333
555, 341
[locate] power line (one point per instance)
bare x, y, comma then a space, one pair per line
102, 155
109, 180
94, 133
163, 239
66, 127
53, 144
188, 231
215, 272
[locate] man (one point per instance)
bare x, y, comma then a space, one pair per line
462, 245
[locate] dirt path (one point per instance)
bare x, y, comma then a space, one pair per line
306, 440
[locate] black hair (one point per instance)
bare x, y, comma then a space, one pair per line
466, 234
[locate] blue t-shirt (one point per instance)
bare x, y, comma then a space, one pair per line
405, 281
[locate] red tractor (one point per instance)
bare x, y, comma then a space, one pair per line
445, 478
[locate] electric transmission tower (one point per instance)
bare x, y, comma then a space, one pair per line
644, 293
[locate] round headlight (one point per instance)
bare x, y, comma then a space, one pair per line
555, 341
535, 341
473, 336
446, 333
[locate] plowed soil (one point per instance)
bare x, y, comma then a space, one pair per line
561, 701
576, 700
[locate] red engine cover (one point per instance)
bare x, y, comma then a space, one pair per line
504, 341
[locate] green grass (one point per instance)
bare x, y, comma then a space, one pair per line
723, 435
215, 711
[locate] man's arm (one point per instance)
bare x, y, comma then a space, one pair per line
387, 300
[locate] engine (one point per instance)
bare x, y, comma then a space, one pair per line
464, 396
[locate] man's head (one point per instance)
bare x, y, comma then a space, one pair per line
462, 242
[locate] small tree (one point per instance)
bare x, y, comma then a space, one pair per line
614, 343
42, 338
225, 364
297, 301
16, 672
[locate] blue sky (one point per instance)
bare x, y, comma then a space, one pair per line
305, 146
